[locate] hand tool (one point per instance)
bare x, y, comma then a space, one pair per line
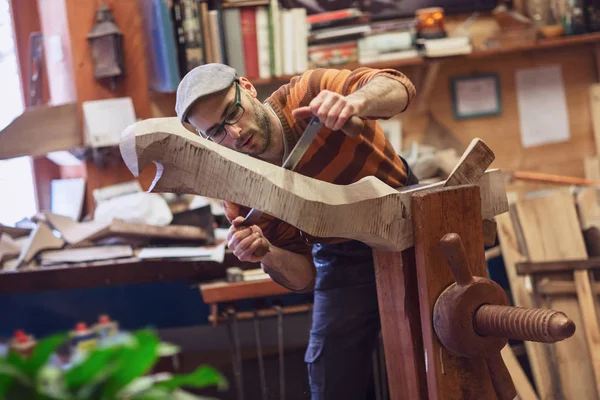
353, 127
292, 160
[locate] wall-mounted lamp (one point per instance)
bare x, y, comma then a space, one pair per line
106, 41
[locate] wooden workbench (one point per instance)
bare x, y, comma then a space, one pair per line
116, 272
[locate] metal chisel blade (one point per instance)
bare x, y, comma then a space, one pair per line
292, 160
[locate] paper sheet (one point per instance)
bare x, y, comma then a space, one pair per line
543, 114
106, 119
205, 253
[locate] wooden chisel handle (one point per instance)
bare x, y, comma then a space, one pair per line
354, 126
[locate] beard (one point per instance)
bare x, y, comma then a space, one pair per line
262, 135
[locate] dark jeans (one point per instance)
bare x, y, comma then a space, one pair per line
345, 324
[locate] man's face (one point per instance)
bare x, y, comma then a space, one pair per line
234, 119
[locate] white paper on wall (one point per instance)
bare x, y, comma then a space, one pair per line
542, 105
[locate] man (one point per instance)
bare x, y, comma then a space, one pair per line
224, 108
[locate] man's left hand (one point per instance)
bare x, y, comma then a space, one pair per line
333, 109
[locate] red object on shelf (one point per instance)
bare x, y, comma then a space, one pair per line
81, 326
21, 336
103, 319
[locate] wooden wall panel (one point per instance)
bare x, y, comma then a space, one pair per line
81, 14
74, 79
502, 133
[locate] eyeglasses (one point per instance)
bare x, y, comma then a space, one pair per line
233, 115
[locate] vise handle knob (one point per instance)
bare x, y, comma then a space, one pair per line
456, 256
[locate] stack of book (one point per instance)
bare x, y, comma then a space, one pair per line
350, 36
258, 38
262, 40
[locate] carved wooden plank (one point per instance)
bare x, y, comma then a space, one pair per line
188, 164
436, 213
41, 130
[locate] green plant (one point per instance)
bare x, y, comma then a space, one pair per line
115, 371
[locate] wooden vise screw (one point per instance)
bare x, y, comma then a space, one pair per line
472, 318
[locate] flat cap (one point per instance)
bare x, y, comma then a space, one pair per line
202, 81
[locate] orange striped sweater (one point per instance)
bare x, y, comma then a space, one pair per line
333, 156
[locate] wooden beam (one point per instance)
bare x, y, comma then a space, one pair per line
545, 377
544, 267
396, 279
549, 287
221, 292
521, 381
594, 96
436, 213
318, 208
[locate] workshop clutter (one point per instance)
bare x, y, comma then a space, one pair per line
549, 241
126, 225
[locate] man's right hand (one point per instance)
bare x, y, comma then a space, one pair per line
244, 241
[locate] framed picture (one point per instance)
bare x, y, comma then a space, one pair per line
476, 96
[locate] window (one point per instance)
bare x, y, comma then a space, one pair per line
17, 194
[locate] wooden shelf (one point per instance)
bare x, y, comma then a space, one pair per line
253, 3
538, 45
541, 44
386, 64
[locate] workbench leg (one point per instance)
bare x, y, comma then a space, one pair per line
436, 213
400, 324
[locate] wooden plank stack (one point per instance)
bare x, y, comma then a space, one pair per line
545, 253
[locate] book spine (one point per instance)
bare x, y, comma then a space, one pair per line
264, 45
249, 40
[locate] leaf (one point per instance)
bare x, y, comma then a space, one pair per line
168, 349
96, 362
152, 394
42, 352
92, 389
12, 371
133, 362
183, 395
202, 377
9, 375
50, 383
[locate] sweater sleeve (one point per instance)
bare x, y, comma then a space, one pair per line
342, 81
277, 232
